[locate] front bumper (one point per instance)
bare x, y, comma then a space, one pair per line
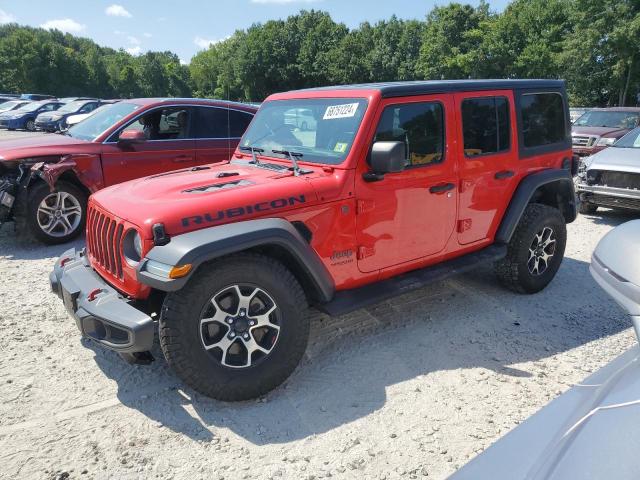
11, 123
101, 313
49, 126
609, 196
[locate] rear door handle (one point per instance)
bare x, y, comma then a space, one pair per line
183, 158
443, 187
503, 174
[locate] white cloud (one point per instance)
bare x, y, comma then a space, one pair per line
205, 43
133, 50
183, 62
147, 35
116, 10
67, 25
282, 2
6, 17
133, 40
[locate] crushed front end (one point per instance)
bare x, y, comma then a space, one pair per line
609, 188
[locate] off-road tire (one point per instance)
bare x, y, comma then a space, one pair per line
513, 270
586, 208
180, 336
37, 193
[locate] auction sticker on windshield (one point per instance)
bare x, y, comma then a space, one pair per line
340, 111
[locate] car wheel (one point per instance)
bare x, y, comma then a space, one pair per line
238, 328
30, 125
58, 216
587, 208
535, 251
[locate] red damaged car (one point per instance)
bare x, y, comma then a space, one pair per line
45, 181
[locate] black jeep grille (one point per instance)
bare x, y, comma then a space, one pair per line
104, 240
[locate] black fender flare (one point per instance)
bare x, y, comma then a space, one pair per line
558, 178
207, 244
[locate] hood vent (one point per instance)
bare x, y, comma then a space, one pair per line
219, 186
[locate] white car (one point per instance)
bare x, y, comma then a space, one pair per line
75, 119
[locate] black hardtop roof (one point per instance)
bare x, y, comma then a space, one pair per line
420, 87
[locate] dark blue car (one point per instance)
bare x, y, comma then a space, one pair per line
56, 120
25, 117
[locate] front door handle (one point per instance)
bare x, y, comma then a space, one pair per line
183, 158
443, 187
503, 174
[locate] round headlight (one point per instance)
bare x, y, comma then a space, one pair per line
132, 247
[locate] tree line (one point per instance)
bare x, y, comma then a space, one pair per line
34, 60
593, 44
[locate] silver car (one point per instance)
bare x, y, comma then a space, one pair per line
611, 177
591, 431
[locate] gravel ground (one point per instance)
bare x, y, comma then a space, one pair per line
411, 388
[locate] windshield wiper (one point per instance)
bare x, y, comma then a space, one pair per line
254, 151
293, 156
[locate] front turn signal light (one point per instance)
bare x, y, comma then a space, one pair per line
180, 271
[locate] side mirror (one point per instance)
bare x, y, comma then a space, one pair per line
386, 157
129, 137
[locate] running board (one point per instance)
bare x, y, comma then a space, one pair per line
349, 300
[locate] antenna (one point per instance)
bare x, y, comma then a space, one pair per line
228, 123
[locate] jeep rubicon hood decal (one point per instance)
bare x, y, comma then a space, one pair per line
188, 199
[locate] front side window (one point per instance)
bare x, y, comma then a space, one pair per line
326, 136
420, 126
543, 121
485, 125
170, 123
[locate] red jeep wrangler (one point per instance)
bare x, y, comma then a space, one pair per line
45, 180
390, 186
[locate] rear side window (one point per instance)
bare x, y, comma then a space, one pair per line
485, 125
210, 122
420, 126
238, 122
543, 121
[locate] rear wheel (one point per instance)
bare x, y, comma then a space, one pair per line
30, 125
236, 330
58, 216
535, 251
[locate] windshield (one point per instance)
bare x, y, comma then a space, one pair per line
71, 107
6, 106
630, 140
322, 129
30, 107
96, 124
599, 118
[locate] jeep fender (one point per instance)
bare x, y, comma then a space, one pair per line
200, 246
552, 187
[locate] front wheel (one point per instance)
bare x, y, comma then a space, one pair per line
238, 329
58, 216
30, 125
535, 251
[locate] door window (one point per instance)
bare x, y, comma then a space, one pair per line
238, 123
543, 121
163, 124
420, 126
485, 125
211, 122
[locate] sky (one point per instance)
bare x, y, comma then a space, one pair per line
187, 26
